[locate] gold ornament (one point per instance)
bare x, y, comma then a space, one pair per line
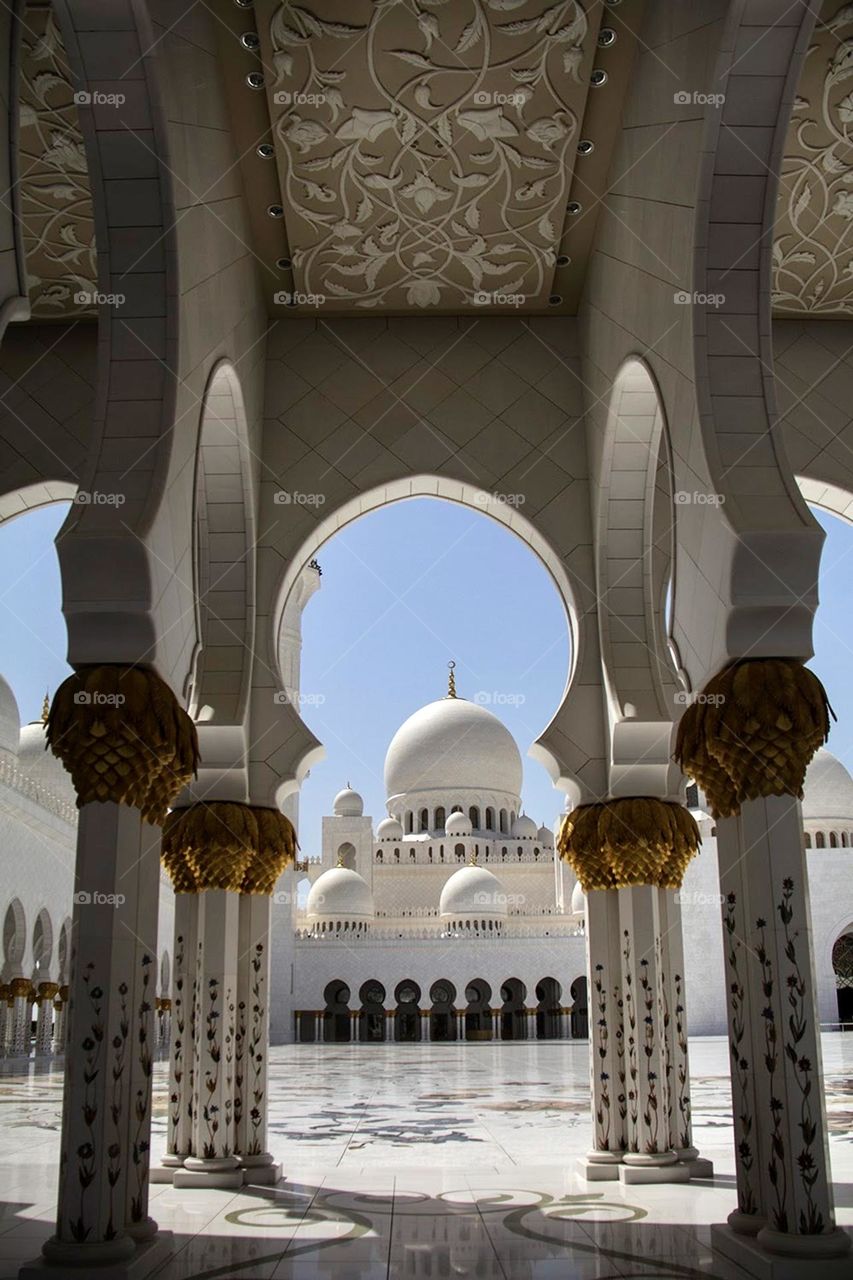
173, 855
47, 990
20, 988
753, 732
277, 845
122, 736
638, 840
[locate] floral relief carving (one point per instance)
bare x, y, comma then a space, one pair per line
57, 223
741, 1066
425, 153
812, 251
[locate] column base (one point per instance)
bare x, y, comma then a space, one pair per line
72, 1262
224, 1172
599, 1166
745, 1252
260, 1170
165, 1170
698, 1167
637, 1167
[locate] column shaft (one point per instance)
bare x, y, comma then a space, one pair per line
252, 1040
182, 1049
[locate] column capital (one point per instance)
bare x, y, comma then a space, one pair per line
20, 987
47, 991
638, 840
752, 732
224, 844
123, 737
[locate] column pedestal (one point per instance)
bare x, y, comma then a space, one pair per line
212, 1163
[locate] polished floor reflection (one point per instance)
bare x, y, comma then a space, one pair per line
423, 1161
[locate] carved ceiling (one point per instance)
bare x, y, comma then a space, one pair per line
813, 246
57, 227
426, 153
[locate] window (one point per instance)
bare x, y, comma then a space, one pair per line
833, 840
474, 815
490, 819
410, 822
379, 856
460, 853
396, 855
504, 830
424, 820
440, 818
808, 841
819, 841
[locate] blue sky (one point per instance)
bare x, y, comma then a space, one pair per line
403, 591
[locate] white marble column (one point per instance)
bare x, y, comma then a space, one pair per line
251, 1099
530, 1023
425, 1027
679, 1111
5, 1017
606, 1038
496, 1024
649, 1156
60, 1022
213, 1163
781, 1149
22, 1017
44, 1018
182, 1049
99, 1108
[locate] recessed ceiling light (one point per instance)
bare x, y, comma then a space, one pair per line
598, 78
555, 300
283, 264
266, 151
250, 40
564, 260
275, 211
574, 207
606, 37
585, 147
255, 80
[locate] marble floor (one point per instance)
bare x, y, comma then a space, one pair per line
422, 1161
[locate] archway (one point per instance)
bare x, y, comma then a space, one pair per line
42, 946
580, 1009
336, 1015
14, 939
346, 855
371, 1018
442, 1018
407, 1015
548, 992
842, 964
512, 1015
478, 1014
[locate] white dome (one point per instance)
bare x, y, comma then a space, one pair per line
458, 824
473, 891
524, 826
546, 835
38, 762
340, 894
578, 900
828, 789
10, 718
348, 804
452, 744
389, 829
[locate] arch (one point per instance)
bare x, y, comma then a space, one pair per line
489, 821
580, 1008
64, 951
423, 820
336, 1015
554, 749
459, 851
842, 965
371, 1018
223, 554
42, 945
442, 1017
407, 1014
513, 1019
503, 822
833, 840
820, 840
31, 497
478, 1014
346, 855
474, 816
440, 818
808, 840
548, 992
14, 938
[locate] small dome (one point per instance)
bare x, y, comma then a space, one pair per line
458, 824
578, 900
10, 718
340, 894
546, 835
827, 789
474, 892
348, 804
38, 762
525, 827
389, 829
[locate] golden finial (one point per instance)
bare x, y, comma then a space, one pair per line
340, 861
45, 707
472, 861
451, 680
